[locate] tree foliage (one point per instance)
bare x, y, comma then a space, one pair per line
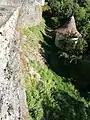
72, 50
62, 10
50, 97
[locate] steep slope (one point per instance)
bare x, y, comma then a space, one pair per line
49, 97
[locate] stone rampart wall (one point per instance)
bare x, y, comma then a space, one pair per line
12, 95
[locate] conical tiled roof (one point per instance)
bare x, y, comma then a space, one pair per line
69, 29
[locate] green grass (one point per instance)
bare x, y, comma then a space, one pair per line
50, 98
54, 99
35, 31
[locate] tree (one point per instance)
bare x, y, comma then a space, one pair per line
62, 9
72, 50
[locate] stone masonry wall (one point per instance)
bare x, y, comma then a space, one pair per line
11, 2
31, 13
9, 88
12, 94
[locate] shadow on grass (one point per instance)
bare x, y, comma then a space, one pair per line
73, 73
65, 107
59, 106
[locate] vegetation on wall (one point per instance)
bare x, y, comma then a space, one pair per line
49, 96
52, 99
54, 88
62, 10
